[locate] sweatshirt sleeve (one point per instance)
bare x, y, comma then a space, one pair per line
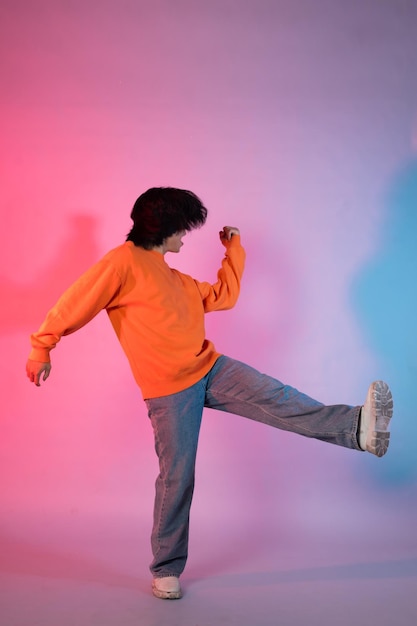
91, 293
225, 292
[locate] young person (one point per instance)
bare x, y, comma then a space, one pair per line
158, 315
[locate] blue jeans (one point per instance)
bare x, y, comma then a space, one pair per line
236, 388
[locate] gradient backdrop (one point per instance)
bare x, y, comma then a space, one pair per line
293, 120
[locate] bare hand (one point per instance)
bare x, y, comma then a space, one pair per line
227, 233
35, 369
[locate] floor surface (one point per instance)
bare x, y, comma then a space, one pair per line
80, 574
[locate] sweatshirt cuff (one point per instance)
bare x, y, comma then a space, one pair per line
40, 354
234, 241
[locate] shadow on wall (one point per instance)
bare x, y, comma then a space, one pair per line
385, 297
29, 303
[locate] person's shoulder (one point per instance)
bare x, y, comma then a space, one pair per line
119, 258
128, 257
119, 253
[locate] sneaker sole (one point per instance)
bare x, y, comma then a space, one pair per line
382, 404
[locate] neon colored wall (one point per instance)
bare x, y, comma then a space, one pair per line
295, 121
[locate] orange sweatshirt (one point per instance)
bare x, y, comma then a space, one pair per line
157, 313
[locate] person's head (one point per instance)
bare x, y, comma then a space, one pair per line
161, 212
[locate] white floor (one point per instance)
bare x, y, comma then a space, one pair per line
74, 572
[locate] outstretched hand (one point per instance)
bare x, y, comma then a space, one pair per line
35, 369
227, 233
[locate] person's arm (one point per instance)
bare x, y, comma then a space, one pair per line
91, 293
225, 292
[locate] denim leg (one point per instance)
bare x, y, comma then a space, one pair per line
176, 421
237, 388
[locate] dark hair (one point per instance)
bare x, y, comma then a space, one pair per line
162, 211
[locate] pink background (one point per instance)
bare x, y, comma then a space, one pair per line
295, 121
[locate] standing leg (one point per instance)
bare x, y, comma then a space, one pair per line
237, 388
176, 421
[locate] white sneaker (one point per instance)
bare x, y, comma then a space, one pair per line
375, 417
167, 588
